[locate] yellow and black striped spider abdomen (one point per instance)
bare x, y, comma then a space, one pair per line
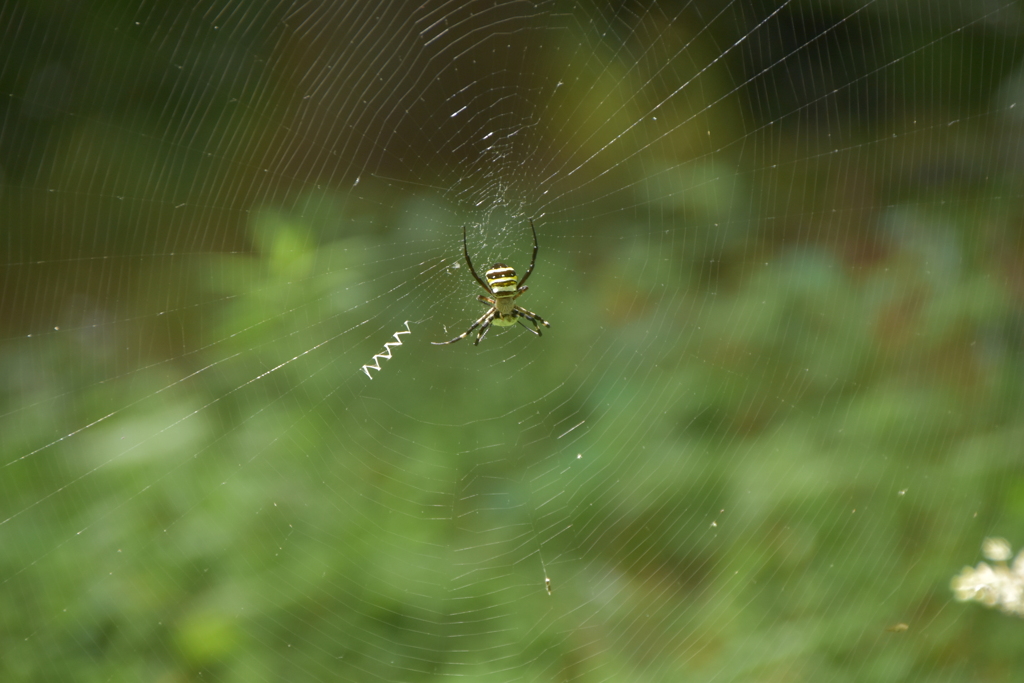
504, 287
502, 280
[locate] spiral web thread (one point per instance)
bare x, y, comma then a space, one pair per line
375, 365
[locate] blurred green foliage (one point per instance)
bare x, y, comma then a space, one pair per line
798, 374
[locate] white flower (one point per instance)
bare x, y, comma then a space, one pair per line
997, 549
998, 586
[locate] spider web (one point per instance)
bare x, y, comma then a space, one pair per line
777, 410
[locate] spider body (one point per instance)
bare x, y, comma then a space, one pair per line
504, 288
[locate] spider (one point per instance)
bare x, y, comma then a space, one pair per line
503, 286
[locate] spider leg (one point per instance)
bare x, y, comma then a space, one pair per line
484, 320
484, 300
533, 318
534, 330
533, 261
465, 250
486, 326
